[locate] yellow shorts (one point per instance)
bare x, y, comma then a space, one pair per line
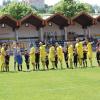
89, 54
52, 59
42, 59
32, 59
80, 56
70, 56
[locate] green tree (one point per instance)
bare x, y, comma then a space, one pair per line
17, 9
71, 7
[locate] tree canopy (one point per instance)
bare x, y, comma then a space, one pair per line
71, 7
17, 10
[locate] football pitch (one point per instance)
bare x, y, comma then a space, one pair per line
66, 84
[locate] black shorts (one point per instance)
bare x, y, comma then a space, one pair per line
7, 62
98, 55
66, 59
47, 62
27, 62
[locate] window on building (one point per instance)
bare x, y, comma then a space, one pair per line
50, 24
27, 25
3, 25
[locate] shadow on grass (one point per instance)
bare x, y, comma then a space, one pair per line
51, 69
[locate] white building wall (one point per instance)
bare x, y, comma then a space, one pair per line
6, 32
76, 28
95, 29
54, 29
29, 31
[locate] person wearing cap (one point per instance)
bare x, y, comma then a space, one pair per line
60, 54
42, 54
32, 57
79, 49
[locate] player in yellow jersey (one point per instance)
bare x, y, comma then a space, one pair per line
42, 54
32, 57
89, 51
79, 49
60, 54
52, 55
2, 57
70, 54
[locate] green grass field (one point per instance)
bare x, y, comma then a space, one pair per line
67, 84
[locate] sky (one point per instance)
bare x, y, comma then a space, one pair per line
52, 2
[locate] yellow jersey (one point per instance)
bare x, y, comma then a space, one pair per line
60, 52
2, 55
52, 53
43, 51
70, 49
89, 49
32, 55
79, 48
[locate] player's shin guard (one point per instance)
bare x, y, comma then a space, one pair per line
71, 64
91, 62
61, 64
14, 66
67, 64
98, 62
80, 62
43, 64
53, 64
